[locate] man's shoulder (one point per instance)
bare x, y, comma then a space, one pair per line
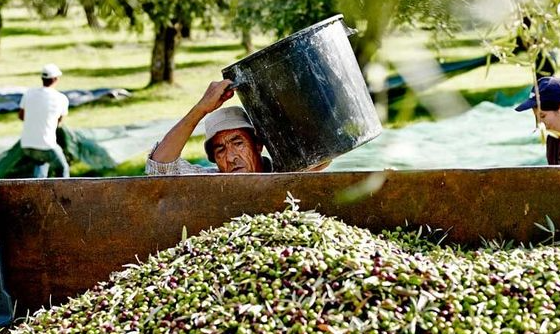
59, 94
44, 90
39, 96
31, 91
33, 94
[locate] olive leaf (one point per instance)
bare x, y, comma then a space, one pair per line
184, 234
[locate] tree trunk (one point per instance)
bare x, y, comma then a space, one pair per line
167, 39
89, 9
363, 53
1, 23
63, 9
128, 11
186, 28
366, 46
247, 40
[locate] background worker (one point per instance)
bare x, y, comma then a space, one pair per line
41, 110
548, 114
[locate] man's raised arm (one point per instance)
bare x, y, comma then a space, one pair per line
169, 149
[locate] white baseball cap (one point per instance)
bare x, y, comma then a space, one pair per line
228, 118
50, 71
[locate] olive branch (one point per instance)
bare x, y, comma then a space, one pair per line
550, 228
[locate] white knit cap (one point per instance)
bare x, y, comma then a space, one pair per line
50, 71
228, 118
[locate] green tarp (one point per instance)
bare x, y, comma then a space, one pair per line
488, 135
75, 146
98, 147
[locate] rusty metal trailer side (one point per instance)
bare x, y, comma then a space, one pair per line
61, 236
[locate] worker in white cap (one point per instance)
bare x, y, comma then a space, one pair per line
42, 110
231, 140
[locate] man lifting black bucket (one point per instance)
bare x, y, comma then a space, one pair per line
231, 141
305, 95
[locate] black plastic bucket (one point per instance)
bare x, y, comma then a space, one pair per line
306, 96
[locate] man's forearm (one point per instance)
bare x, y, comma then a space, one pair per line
169, 149
174, 141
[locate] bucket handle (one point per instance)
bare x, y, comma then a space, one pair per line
232, 86
349, 31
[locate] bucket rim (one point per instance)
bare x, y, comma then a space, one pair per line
285, 40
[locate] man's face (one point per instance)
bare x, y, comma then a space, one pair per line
551, 119
235, 151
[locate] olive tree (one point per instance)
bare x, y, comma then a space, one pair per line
48, 8
286, 17
376, 18
51, 8
243, 16
91, 16
278, 16
530, 25
168, 18
2, 4
373, 17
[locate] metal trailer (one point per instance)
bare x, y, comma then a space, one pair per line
61, 236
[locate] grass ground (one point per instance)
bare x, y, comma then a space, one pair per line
121, 59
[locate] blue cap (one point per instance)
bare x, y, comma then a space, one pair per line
549, 91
